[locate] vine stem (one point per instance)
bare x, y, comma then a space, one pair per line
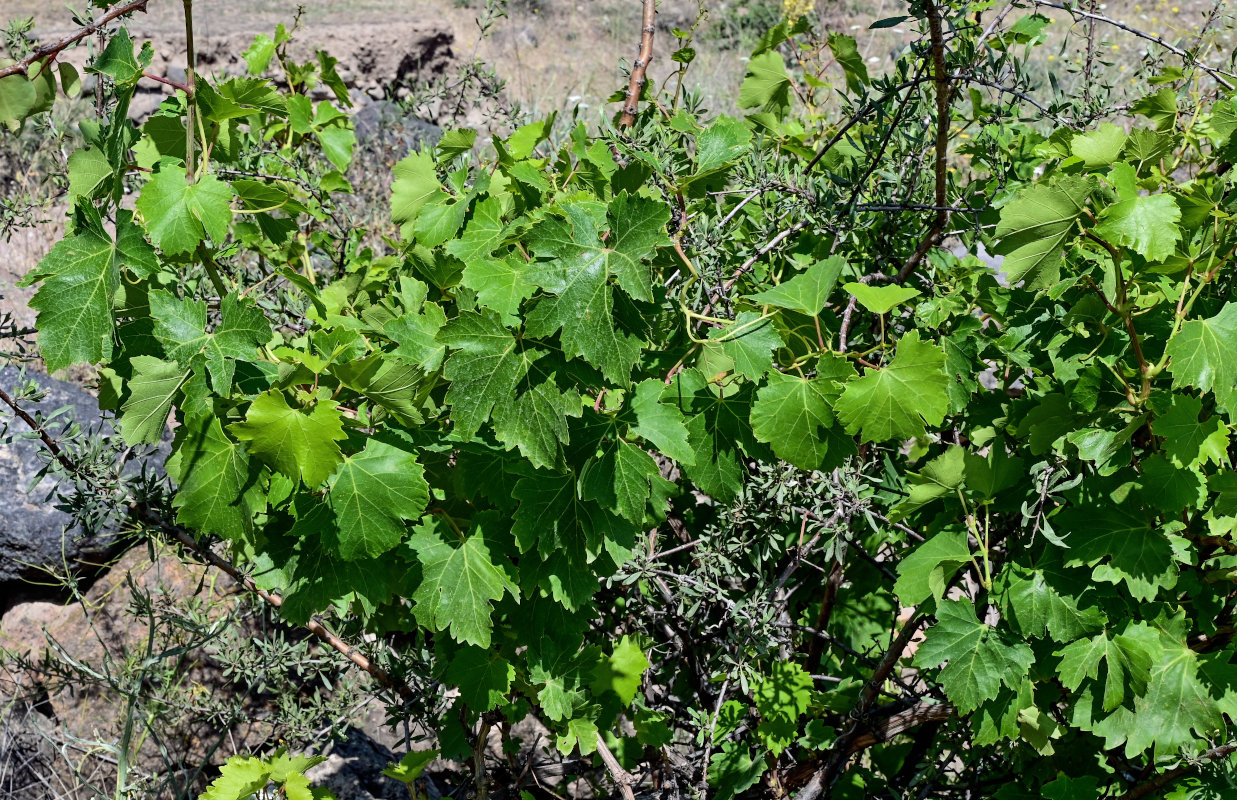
54, 49
640, 67
191, 106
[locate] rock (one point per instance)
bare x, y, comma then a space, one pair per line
371, 57
35, 536
384, 124
40, 712
353, 770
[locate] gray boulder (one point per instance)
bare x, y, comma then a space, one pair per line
36, 537
383, 126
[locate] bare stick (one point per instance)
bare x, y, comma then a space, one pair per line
632, 102
54, 49
191, 105
621, 776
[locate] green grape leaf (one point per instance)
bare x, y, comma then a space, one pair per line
1100, 147
439, 222
941, 477
500, 283
925, 572
661, 424
180, 326
415, 329
1202, 353
388, 382
807, 292
1128, 656
622, 671
239, 778
483, 234
1171, 488
1176, 702
578, 278
552, 517
1188, 442
303, 564
580, 733
766, 83
485, 368
337, 145
792, 413
236, 96
1039, 607
17, 98
881, 299
88, 167
213, 476
980, 660
416, 184
846, 52
718, 429
456, 142
372, 493
1034, 228
179, 215
460, 581
536, 421
120, 62
1121, 545
152, 390
492, 376
733, 770
781, 696
559, 679
635, 478
298, 442
896, 402
80, 277
749, 343
483, 677
1146, 224
720, 144
258, 56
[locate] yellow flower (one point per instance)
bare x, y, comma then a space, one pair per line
794, 9
1052, 57
1176, 10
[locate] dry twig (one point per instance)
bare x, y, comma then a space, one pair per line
54, 49
631, 103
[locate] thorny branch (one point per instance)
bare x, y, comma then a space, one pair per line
53, 50
1186, 56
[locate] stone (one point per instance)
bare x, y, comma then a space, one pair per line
35, 535
353, 770
385, 125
